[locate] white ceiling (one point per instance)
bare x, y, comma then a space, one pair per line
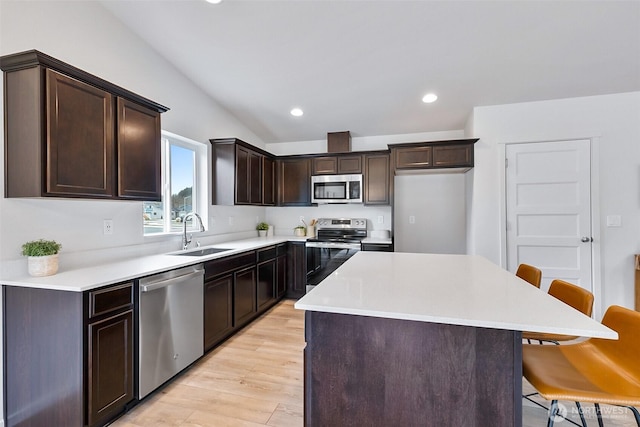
364, 66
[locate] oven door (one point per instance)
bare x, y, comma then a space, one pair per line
325, 258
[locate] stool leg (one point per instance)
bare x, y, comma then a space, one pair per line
636, 414
598, 414
584, 422
553, 411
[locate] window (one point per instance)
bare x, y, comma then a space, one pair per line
183, 187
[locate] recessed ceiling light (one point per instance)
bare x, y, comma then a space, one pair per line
429, 98
297, 112
213, 1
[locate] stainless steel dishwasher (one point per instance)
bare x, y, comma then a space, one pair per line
170, 325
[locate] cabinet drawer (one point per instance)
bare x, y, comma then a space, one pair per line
265, 254
415, 157
110, 299
227, 264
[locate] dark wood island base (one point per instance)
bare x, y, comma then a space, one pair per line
371, 371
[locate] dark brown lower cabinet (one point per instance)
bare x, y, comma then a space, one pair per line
218, 310
71, 352
296, 270
377, 247
281, 275
244, 296
110, 370
266, 284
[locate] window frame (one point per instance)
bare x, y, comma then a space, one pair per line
200, 183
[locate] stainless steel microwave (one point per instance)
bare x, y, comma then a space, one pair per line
336, 188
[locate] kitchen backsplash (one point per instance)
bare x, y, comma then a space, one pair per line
284, 219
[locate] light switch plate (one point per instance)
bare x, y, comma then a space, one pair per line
614, 221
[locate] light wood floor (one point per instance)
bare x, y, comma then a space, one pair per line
255, 379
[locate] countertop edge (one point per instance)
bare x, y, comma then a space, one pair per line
606, 333
93, 277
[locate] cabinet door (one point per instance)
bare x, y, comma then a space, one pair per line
243, 192
268, 181
454, 155
413, 157
255, 178
349, 164
218, 320
294, 182
110, 369
376, 180
80, 150
139, 168
296, 270
281, 276
266, 284
324, 165
244, 296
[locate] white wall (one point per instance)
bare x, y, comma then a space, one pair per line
430, 214
87, 36
360, 143
615, 121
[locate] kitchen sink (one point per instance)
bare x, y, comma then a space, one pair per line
201, 252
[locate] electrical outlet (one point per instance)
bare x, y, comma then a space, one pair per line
380, 219
231, 220
412, 219
107, 227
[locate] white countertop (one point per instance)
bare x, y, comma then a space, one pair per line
453, 289
83, 279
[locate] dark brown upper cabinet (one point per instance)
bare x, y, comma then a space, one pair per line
71, 134
268, 181
377, 179
294, 181
242, 174
138, 148
332, 165
324, 165
433, 155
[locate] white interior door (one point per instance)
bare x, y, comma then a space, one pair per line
549, 209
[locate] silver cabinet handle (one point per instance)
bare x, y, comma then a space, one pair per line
168, 282
587, 239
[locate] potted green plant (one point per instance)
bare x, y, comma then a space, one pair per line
262, 228
300, 231
42, 256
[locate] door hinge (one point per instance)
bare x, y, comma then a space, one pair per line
506, 163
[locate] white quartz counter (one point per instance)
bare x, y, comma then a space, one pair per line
453, 289
83, 279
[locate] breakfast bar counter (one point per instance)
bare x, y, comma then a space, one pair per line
424, 339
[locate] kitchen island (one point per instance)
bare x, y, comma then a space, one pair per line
422, 339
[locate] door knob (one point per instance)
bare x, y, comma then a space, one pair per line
587, 239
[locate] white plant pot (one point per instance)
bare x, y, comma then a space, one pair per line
262, 233
43, 265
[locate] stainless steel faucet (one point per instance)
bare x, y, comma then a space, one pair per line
185, 240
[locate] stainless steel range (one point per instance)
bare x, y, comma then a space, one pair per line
337, 240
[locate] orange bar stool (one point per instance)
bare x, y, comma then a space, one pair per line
575, 296
596, 370
529, 273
